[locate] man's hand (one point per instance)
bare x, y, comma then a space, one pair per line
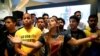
93, 36
23, 54
14, 39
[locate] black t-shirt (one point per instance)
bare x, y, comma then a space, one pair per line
74, 50
9, 44
3, 41
54, 44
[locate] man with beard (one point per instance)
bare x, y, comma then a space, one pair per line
41, 25
61, 24
27, 33
76, 33
93, 48
81, 25
46, 18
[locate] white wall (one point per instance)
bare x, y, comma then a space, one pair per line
99, 20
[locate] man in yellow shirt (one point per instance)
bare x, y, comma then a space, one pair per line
27, 33
94, 46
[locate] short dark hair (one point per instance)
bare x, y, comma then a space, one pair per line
40, 18
77, 12
76, 18
55, 16
45, 14
10, 17
33, 14
61, 20
93, 16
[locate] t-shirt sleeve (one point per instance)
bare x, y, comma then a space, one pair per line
38, 34
84, 35
42, 40
67, 38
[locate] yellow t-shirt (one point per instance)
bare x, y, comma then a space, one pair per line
89, 33
31, 36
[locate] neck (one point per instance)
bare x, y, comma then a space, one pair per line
12, 30
41, 29
28, 27
94, 29
74, 29
53, 31
61, 29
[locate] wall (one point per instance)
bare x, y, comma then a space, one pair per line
94, 6
98, 5
5, 9
78, 2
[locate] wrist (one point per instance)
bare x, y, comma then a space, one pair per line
21, 42
91, 39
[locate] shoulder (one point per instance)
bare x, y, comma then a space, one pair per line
20, 30
66, 34
81, 31
45, 30
43, 38
98, 31
68, 31
36, 28
87, 28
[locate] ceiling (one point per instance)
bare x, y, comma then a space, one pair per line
53, 1
36, 2
20, 4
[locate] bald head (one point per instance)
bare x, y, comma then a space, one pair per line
27, 14
27, 20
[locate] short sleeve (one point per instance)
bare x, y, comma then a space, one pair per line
84, 35
42, 40
67, 36
38, 34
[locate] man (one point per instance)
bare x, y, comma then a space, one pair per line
93, 48
27, 33
41, 25
3, 41
81, 25
33, 15
61, 24
10, 24
53, 40
75, 33
46, 17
